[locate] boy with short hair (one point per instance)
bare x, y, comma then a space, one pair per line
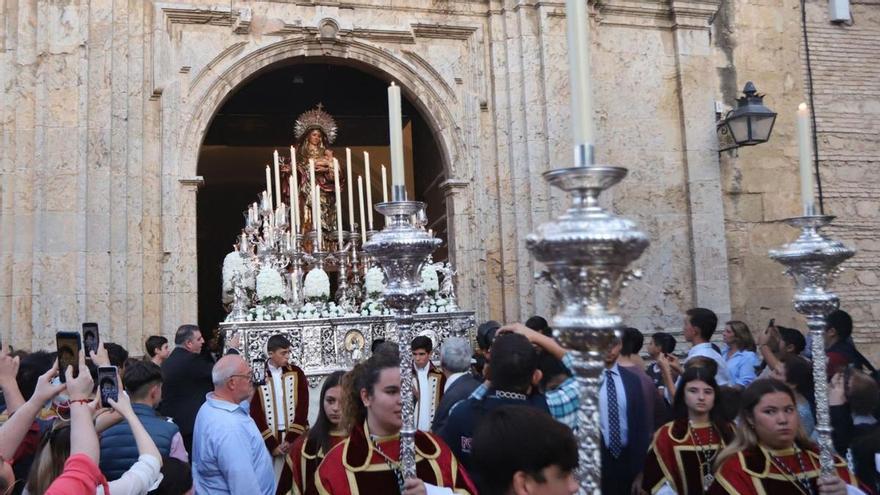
280, 407
518, 450
158, 349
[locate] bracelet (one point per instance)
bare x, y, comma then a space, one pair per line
79, 401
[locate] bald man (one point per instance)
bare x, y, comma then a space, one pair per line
229, 456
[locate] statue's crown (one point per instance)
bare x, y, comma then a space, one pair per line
315, 119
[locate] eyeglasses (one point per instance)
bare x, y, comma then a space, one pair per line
249, 377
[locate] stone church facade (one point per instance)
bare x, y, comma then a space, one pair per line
106, 103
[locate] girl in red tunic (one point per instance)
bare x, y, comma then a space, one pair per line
309, 450
368, 461
682, 454
771, 454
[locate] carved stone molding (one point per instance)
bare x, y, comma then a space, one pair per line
663, 14
195, 182
452, 186
443, 31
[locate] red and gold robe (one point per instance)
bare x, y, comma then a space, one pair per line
302, 463
264, 410
674, 456
752, 472
354, 467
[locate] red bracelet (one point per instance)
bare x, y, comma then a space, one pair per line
80, 401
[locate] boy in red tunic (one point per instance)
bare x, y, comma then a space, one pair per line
280, 407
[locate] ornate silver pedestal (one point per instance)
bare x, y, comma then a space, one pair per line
401, 249
812, 261
587, 251
324, 345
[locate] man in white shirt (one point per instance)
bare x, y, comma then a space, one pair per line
431, 381
699, 325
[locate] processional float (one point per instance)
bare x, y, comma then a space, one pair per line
277, 279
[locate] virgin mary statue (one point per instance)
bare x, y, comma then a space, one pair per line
315, 131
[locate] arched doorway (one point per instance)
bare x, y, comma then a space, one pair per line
258, 117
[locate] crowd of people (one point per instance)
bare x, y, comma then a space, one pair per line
739, 418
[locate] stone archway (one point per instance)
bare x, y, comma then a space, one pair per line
209, 89
259, 117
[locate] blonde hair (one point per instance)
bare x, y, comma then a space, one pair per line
746, 437
742, 336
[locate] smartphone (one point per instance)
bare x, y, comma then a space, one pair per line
68, 345
90, 338
108, 384
258, 370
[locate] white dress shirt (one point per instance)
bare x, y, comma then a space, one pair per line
425, 399
705, 349
278, 390
621, 406
451, 379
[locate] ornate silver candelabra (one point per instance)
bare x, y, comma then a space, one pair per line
401, 249
812, 261
587, 251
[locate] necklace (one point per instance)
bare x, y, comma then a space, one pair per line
501, 394
803, 483
703, 455
392, 464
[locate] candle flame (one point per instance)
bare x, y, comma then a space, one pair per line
802, 107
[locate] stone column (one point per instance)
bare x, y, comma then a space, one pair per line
700, 153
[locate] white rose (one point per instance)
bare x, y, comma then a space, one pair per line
269, 284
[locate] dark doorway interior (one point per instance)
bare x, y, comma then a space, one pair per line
259, 118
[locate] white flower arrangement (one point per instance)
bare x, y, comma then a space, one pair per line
263, 313
436, 304
430, 281
234, 263
311, 311
374, 307
374, 282
316, 285
270, 286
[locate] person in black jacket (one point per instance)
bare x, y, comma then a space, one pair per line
186, 378
455, 360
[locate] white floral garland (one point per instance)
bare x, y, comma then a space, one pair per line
430, 281
234, 263
270, 286
316, 285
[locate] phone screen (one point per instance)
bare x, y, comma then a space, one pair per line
68, 345
90, 338
258, 371
108, 384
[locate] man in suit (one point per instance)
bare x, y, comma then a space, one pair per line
186, 377
626, 430
455, 360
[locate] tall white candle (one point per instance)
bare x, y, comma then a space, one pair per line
349, 185
384, 184
277, 180
395, 121
269, 186
361, 202
294, 200
805, 153
369, 190
312, 185
316, 215
338, 202
578, 21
